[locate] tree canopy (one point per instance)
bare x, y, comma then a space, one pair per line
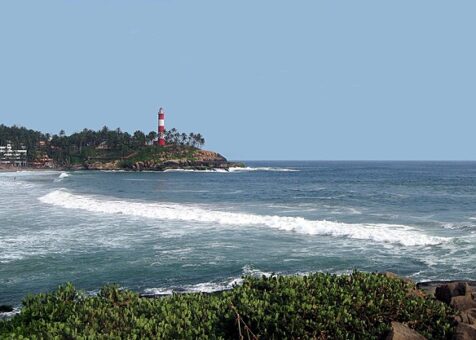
67, 149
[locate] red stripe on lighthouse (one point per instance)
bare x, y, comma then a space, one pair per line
161, 127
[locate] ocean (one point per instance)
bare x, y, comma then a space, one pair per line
187, 231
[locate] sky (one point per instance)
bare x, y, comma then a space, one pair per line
261, 80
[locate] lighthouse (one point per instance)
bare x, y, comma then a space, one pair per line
161, 132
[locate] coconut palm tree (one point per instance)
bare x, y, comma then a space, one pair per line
151, 136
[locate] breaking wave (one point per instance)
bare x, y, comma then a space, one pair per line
208, 287
62, 176
234, 169
205, 287
384, 233
194, 170
9, 315
262, 168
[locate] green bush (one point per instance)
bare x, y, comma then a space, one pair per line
356, 306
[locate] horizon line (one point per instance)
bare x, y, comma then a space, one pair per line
353, 160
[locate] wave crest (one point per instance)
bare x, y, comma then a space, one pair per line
208, 287
235, 169
261, 168
383, 233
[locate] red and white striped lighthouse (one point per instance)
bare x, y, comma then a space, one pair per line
161, 131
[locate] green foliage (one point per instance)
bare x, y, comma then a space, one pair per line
174, 137
153, 154
101, 145
20, 136
359, 305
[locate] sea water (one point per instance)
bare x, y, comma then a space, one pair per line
160, 232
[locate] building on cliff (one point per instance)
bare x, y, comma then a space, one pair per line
10, 156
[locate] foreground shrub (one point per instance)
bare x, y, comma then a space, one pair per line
359, 305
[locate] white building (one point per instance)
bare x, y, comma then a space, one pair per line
8, 155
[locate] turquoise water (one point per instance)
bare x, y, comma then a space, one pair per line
201, 231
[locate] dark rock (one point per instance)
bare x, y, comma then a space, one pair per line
465, 331
6, 309
171, 164
430, 286
446, 292
403, 332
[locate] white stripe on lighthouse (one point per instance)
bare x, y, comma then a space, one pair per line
161, 122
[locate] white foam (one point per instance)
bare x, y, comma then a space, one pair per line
63, 175
21, 179
233, 169
450, 226
13, 183
9, 315
227, 284
158, 291
251, 271
209, 287
262, 168
205, 287
112, 171
20, 173
194, 170
385, 233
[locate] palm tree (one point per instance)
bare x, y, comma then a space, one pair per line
191, 139
139, 137
183, 138
200, 140
151, 136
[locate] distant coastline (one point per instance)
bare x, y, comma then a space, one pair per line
203, 160
105, 149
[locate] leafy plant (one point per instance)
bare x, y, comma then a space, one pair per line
359, 305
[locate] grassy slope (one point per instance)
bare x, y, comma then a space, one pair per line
152, 153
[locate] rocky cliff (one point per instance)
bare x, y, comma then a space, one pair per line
196, 160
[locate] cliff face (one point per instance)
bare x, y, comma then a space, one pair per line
197, 160
98, 165
201, 160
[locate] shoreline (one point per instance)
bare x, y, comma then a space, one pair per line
145, 159
137, 169
428, 287
382, 305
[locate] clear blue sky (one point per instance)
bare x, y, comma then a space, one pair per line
260, 79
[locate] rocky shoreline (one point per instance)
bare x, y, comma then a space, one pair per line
461, 296
201, 160
173, 164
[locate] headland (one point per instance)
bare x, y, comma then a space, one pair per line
106, 149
